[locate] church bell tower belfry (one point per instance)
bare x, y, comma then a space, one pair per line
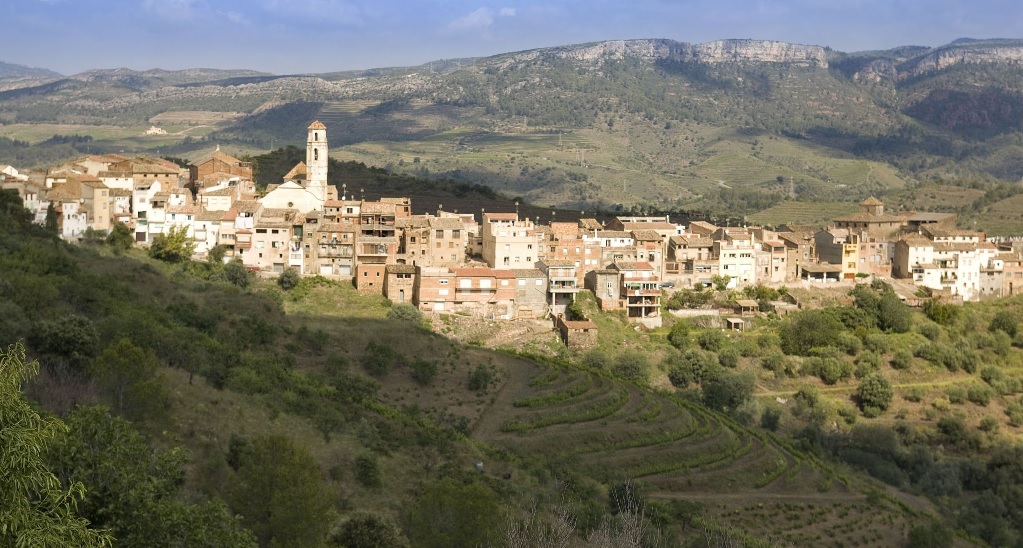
316, 161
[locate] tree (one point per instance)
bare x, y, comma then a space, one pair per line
1006, 321
236, 273
288, 279
406, 312
679, 335
874, 394
366, 530
35, 509
810, 329
120, 238
280, 491
134, 490
451, 513
50, 224
727, 390
72, 338
128, 374
173, 247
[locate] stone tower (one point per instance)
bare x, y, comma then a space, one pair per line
316, 161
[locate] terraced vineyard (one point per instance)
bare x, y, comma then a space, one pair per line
674, 449
802, 212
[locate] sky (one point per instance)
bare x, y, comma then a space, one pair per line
315, 36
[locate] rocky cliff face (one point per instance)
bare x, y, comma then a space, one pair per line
946, 57
718, 51
757, 51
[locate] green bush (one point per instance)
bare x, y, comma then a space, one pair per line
679, 335
288, 279
729, 357
479, 378
956, 394
712, 340
1005, 321
980, 394
902, 359
423, 371
405, 312
874, 394
367, 471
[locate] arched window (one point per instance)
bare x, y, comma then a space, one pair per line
316, 154
316, 136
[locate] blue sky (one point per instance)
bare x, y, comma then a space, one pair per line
304, 36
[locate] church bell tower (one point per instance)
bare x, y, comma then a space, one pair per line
316, 161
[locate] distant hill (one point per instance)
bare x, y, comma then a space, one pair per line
11, 70
628, 124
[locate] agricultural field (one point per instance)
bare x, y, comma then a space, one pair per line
812, 213
1003, 218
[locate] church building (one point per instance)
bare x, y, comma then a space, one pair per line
305, 187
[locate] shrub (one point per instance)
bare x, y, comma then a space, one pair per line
712, 340
1005, 321
874, 394
631, 365
423, 371
988, 424
729, 357
367, 471
902, 359
955, 394
980, 394
867, 363
914, 394
597, 359
480, 378
770, 419
679, 335
405, 312
877, 342
690, 367
1015, 412
810, 329
930, 330
774, 361
288, 279
237, 274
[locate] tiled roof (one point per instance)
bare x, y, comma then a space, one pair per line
558, 262
501, 216
871, 201
299, 169
209, 215
400, 269
317, 125
445, 223
376, 208
246, 206
527, 272
646, 235
590, 224
215, 155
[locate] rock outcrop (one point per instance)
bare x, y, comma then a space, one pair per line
718, 51
945, 57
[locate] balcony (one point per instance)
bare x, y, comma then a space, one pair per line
243, 244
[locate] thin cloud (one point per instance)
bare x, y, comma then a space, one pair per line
507, 12
481, 19
335, 11
173, 10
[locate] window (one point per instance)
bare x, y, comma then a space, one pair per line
440, 233
412, 239
316, 154
442, 282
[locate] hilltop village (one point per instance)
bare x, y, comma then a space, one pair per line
501, 265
